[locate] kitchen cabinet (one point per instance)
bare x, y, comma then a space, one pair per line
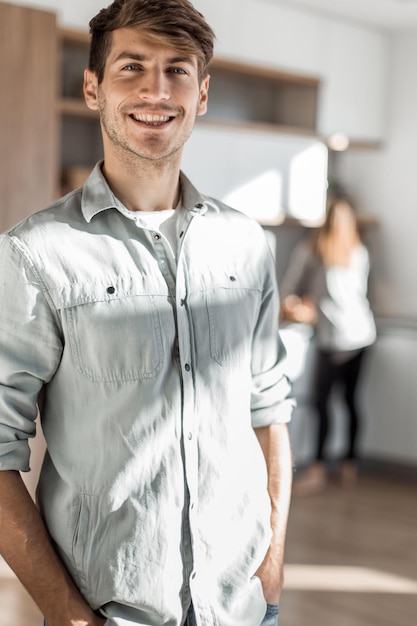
350, 60
257, 96
80, 145
28, 122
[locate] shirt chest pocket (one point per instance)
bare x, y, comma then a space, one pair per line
232, 314
118, 338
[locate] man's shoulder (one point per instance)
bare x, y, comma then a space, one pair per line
233, 215
61, 213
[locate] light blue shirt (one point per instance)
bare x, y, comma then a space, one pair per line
154, 484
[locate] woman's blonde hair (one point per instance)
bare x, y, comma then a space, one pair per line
339, 234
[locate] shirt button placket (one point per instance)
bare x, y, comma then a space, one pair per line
187, 365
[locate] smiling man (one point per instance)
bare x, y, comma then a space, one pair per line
140, 318
148, 98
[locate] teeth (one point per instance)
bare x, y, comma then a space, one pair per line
147, 118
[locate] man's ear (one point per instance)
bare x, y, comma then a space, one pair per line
91, 90
203, 98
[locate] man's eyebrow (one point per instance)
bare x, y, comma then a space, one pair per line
143, 57
129, 55
182, 59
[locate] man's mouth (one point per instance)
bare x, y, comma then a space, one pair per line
150, 119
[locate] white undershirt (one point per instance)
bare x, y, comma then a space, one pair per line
164, 222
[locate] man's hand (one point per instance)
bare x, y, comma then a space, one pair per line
96, 621
271, 576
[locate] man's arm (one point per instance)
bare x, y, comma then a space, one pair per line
275, 444
25, 545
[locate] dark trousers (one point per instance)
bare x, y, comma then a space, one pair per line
345, 374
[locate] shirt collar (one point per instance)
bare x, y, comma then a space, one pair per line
97, 196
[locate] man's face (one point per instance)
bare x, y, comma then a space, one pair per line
148, 99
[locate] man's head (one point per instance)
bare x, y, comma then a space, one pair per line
175, 23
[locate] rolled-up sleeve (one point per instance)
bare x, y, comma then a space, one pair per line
271, 399
30, 351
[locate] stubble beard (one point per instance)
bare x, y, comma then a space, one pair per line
150, 151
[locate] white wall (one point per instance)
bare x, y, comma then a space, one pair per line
385, 182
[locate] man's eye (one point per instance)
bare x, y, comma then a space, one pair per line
176, 70
130, 67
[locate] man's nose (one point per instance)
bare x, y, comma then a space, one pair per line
154, 86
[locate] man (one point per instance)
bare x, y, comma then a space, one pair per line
141, 318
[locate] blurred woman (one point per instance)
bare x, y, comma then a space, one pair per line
326, 285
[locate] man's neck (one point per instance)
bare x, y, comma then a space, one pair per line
151, 188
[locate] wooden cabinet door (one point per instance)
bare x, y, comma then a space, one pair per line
28, 121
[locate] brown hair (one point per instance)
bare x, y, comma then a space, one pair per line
334, 242
175, 22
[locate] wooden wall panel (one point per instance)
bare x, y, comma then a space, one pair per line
28, 121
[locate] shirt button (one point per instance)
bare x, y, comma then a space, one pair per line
182, 301
157, 237
111, 290
187, 367
190, 436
